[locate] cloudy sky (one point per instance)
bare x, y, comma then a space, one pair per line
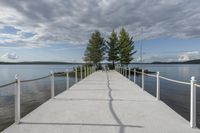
58, 30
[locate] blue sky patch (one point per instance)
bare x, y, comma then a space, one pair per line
9, 30
28, 34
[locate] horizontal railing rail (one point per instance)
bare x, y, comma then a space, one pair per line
8, 84
192, 84
30, 80
87, 70
175, 81
197, 85
150, 75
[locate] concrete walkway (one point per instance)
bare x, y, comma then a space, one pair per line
103, 103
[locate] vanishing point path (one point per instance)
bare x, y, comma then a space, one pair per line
103, 103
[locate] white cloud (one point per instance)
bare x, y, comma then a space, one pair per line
11, 56
171, 56
190, 55
72, 21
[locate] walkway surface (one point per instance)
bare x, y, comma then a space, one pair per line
103, 103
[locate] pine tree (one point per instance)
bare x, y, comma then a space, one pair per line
126, 47
95, 49
113, 48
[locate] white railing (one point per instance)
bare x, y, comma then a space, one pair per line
192, 84
17, 82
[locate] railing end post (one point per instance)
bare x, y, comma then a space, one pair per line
193, 103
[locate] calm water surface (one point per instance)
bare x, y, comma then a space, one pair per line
35, 93
176, 96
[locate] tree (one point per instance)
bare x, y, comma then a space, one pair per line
113, 48
95, 49
126, 47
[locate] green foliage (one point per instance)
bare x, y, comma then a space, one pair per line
95, 49
119, 48
113, 48
126, 47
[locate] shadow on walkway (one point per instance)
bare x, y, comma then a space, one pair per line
122, 126
110, 103
79, 124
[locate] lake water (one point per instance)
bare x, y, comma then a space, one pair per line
176, 96
35, 93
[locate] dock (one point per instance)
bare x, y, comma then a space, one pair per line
103, 102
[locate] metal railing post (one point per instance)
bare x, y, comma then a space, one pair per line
85, 71
17, 99
134, 76
52, 85
126, 72
143, 79
81, 70
129, 73
158, 86
193, 103
88, 70
67, 79
76, 78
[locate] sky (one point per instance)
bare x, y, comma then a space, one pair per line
58, 30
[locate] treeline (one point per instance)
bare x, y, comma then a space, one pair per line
115, 49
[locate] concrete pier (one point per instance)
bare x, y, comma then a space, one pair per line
104, 102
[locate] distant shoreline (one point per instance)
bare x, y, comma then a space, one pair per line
78, 63
38, 63
184, 62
